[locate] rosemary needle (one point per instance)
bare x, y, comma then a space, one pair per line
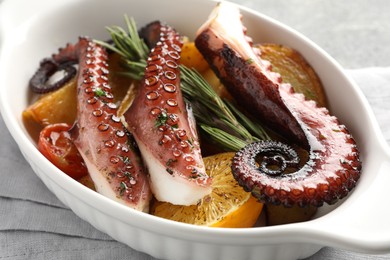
220, 119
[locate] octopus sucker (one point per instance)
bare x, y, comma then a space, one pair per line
163, 125
333, 165
106, 146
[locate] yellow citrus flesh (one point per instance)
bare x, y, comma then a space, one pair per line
192, 58
227, 206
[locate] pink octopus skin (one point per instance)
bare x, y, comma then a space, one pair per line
333, 167
164, 128
105, 145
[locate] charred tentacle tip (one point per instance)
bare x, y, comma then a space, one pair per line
48, 67
275, 154
268, 157
259, 166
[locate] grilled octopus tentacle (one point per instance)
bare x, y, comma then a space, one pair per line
104, 143
333, 167
164, 127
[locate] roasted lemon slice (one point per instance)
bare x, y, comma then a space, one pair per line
227, 206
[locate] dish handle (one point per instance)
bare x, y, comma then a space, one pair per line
362, 222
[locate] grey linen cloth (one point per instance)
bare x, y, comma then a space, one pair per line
34, 224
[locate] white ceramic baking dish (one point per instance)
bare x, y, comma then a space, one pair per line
31, 30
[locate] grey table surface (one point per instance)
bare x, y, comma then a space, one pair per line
355, 32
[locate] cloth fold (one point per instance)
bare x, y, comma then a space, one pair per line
34, 224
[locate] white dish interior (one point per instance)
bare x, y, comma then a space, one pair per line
359, 223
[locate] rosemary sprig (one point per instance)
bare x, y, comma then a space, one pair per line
130, 46
197, 89
224, 122
252, 126
227, 141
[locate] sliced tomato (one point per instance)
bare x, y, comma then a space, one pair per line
56, 145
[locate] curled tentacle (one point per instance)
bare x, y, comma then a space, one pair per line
39, 81
333, 167
106, 146
276, 157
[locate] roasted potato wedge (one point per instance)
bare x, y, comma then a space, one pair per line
55, 107
278, 215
